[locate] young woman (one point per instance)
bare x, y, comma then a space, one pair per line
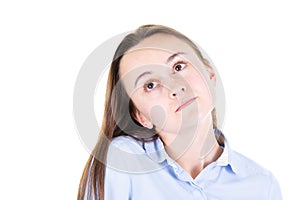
159, 137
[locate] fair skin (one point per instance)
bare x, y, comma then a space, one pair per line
171, 88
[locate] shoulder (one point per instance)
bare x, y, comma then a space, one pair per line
247, 166
127, 155
127, 144
253, 175
261, 177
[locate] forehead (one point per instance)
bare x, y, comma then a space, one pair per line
153, 50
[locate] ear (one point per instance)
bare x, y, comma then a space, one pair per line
210, 70
143, 120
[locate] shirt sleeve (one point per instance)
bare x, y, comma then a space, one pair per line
274, 192
117, 185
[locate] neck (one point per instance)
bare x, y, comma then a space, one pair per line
193, 151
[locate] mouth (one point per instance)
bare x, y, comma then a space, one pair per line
185, 104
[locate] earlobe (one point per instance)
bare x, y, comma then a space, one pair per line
210, 70
148, 125
143, 120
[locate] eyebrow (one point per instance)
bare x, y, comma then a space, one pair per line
171, 58
140, 76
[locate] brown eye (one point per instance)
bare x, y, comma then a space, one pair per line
179, 66
150, 86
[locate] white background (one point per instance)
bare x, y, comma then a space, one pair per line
255, 46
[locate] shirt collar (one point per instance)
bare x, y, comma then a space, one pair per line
156, 152
226, 158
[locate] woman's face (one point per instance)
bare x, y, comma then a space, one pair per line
168, 83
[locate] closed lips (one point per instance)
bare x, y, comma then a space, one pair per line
186, 104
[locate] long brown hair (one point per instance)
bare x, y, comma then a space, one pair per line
119, 110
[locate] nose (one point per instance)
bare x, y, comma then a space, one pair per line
177, 91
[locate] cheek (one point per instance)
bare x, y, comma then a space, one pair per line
148, 105
158, 115
154, 108
197, 82
200, 87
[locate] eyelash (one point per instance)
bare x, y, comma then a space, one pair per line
178, 63
147, 84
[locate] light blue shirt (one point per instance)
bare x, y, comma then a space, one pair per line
142, 171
